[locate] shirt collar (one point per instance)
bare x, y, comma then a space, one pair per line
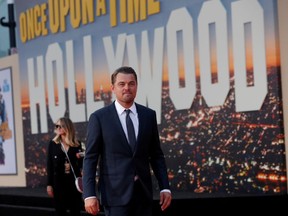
120, 109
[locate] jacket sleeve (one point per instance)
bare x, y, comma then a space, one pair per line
50, 167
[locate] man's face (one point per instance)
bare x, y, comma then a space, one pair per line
125, 89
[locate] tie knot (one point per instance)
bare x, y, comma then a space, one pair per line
127, 111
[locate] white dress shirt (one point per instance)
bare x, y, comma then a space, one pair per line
133, 115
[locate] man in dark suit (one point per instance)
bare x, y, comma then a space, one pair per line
125, 183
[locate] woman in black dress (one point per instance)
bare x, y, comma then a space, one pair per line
60, 177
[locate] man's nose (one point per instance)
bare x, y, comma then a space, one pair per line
126, 86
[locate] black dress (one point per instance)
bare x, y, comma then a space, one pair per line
60, 176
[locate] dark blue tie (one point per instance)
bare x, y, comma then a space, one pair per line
130, 130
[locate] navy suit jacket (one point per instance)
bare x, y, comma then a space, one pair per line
108, 147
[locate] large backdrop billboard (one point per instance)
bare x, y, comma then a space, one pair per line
210, 69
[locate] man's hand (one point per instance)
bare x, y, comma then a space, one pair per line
50, 191
92, 206
165, 200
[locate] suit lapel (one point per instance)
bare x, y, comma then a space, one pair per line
142, 122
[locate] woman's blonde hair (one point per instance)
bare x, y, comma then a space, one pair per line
70, 138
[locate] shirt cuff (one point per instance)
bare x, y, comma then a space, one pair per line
91, 197
165, 190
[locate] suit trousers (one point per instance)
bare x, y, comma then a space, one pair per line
138, 206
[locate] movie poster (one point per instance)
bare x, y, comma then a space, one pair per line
208, 68
12, 162
7, 133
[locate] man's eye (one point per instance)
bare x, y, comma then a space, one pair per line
121, 84
133, 83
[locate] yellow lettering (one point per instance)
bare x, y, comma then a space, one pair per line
64, 9
87, 11
130, 11
33, 23
143, 10
138, 10
101, 7
23, 27
37, 14
75, 13
53, 15
153, 7
30, 29
113, 13
44, 19
123, 11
